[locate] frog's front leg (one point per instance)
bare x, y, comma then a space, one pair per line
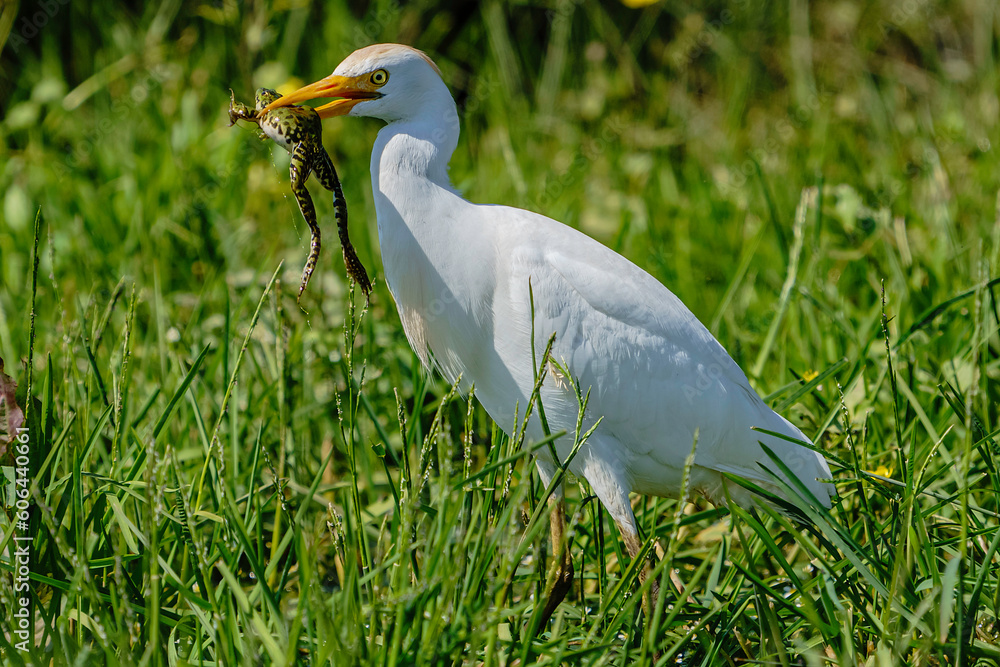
239, 111
327, 176
298, 173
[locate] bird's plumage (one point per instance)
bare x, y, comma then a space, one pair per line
459, 273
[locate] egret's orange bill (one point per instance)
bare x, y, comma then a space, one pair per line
352, 89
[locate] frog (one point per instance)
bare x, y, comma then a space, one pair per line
299, 130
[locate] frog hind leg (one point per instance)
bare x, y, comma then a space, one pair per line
327, 176
298, 172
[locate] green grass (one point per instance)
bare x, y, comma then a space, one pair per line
219, 478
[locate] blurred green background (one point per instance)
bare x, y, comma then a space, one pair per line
641, 126
683, 135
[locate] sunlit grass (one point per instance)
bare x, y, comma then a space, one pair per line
222, 479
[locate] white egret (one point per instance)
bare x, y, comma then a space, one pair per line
459, 273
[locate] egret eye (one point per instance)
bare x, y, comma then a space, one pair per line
379, 77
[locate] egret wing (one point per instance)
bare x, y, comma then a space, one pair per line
658, 375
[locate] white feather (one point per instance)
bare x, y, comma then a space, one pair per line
459, 273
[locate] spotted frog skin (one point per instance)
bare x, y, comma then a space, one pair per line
299, 131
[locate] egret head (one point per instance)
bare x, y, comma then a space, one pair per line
388, 81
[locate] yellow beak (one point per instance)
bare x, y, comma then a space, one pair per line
352, 90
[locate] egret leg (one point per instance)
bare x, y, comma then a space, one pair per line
559, 576
606, 478
630, 535
559, 579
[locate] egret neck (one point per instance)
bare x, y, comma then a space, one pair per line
421, 221
409, 168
